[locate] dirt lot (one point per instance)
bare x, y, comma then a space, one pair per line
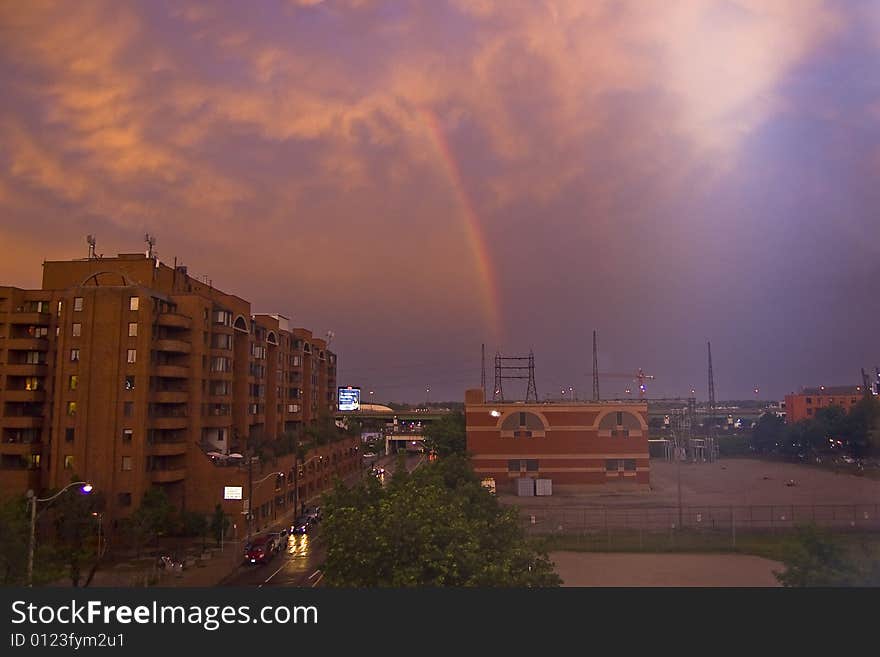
601, 569
726, 482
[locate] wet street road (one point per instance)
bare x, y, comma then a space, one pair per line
297, 565
300, 563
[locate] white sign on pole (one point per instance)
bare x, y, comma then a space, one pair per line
232, 492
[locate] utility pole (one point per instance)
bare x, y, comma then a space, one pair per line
711, 406
250, 513
595, 370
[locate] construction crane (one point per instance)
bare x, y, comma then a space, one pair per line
639, 377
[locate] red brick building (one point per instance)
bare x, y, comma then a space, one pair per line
573, 444
804, 404
129, 373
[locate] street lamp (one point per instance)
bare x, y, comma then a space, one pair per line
86, 488
251, 484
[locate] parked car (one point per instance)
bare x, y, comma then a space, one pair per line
261, 550
313, 513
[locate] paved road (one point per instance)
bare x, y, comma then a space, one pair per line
300, 563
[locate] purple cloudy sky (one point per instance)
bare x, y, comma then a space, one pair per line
423, 177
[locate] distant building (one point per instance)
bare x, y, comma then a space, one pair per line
804, 404
132, 374
574, 444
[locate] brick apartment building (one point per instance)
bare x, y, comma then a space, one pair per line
129, 373
573, 444
804, 404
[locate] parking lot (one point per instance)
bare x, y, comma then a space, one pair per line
740, 482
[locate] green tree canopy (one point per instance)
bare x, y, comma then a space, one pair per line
436, 527
447, 435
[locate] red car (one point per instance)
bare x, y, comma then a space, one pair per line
261, 550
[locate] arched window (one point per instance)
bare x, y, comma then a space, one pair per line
620, 424
522, 424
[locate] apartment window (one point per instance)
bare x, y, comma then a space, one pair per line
126, 464
77, 304
35, 358
71, 408
74, 355
68, 461
69, 434
60, 306
531, 465
35, 462
72, 382
611, 465
293, 408
132, 356
133, 303
129, 383
77, 329
809, 400
124, 499
513, 465
132, 329
629, 465
127, 435
128, 409
31, 383
809, 411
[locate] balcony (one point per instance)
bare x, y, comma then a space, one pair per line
172, 371
22, 422
181, 422
26, 369
25, 395
217, 421
167, 476
174, 320
33, 319
173, 346
175, 448
21, 449
27, 344
169, 396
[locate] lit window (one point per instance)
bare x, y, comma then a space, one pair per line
133, 303
127, 435
126, 463
132, 356
77, 303
71, 408
72, 382
31, 383
74, 355
129, 383
132, 329
68, 462
77, 330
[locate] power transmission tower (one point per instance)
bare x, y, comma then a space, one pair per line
711, 406
595, 369
516, 372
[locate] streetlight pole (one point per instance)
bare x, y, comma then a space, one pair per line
32, 500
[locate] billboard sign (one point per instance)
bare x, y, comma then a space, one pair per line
232, 492
349, 398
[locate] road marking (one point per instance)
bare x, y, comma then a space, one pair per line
273, 574
318, 580
314, 573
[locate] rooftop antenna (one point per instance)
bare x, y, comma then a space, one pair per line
595, 370
330, 336
151, 242
91, 242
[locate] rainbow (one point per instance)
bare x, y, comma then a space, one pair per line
473, 231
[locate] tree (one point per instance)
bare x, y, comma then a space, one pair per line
219, 524
768, 433
154, 517
74, 543
815, 560
447, 435
438, 527
14, 533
